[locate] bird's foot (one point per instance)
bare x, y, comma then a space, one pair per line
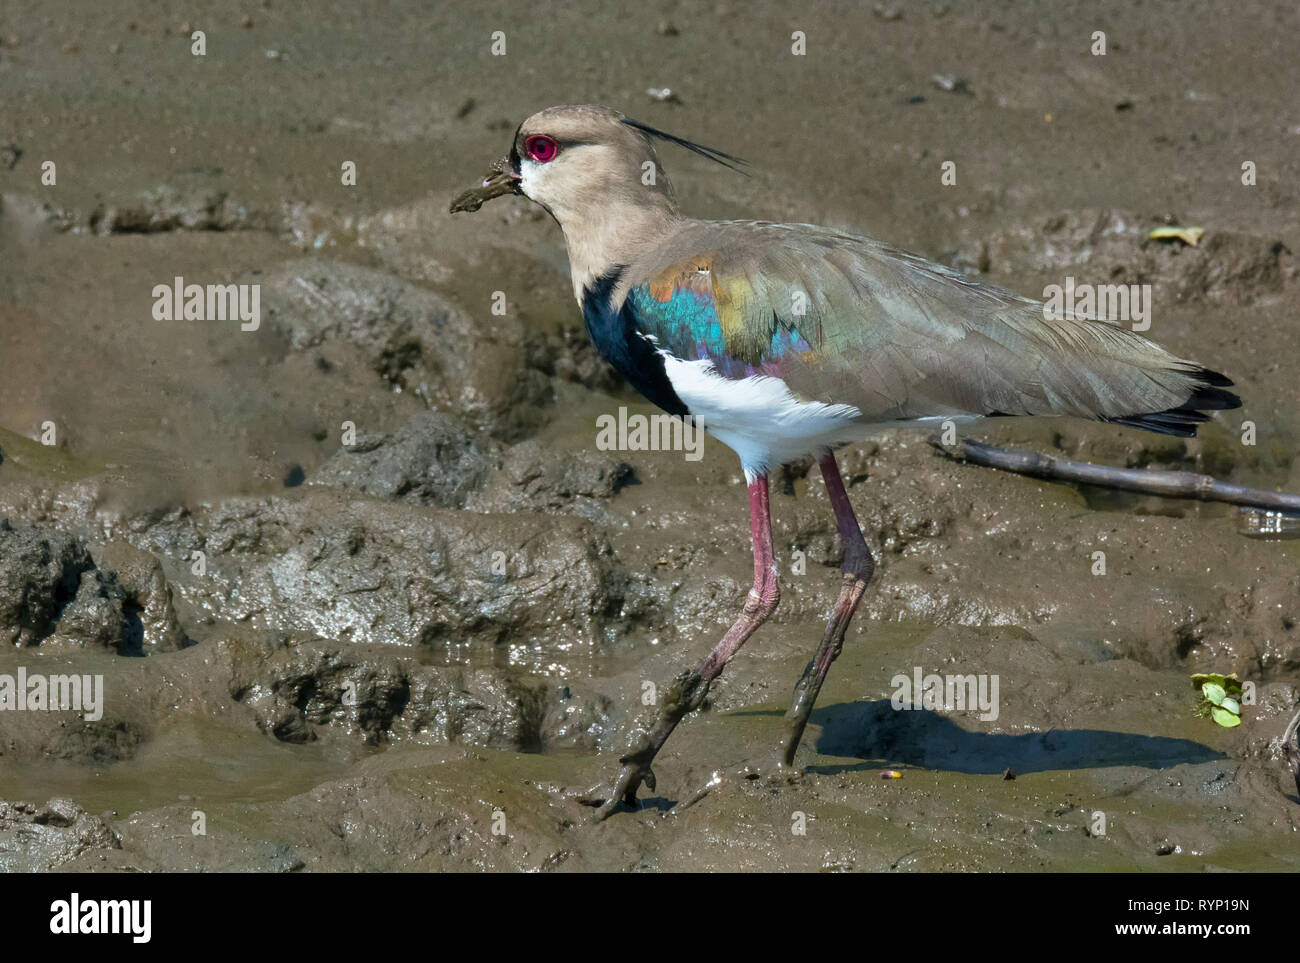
635, 771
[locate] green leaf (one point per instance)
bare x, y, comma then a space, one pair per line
1225, 718
1214, 692
1233, 706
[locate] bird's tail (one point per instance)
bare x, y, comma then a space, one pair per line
1094, 368
1206, 393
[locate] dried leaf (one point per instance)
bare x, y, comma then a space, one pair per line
1191, 236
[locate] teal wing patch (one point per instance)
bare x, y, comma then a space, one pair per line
690, 318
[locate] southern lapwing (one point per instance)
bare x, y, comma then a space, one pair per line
788, 340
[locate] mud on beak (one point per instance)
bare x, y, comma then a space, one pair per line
502, 180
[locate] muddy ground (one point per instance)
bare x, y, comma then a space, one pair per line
387, 643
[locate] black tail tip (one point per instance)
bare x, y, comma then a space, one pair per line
1212, 378
1182, 422
1209, 394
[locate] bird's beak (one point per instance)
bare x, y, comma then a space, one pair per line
503, 179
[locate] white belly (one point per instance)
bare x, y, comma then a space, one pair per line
758, 417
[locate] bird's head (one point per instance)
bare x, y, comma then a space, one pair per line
578, 162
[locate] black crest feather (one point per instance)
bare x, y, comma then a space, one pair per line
737, 164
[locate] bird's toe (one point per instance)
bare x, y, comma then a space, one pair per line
630, 779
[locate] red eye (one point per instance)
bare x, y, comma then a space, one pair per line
541, 148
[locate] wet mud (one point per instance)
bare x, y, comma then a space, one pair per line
363, 592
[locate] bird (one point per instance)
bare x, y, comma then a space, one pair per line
789, 340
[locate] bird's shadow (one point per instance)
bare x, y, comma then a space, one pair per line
925, 739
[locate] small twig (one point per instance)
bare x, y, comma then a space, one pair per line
1292, 753
1171, 484
1291, 728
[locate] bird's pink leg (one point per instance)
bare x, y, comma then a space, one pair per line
855, 574
688, 689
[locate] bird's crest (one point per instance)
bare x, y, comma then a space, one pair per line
737, 164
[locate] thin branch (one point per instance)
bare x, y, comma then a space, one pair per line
1171, 484
1291, 753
